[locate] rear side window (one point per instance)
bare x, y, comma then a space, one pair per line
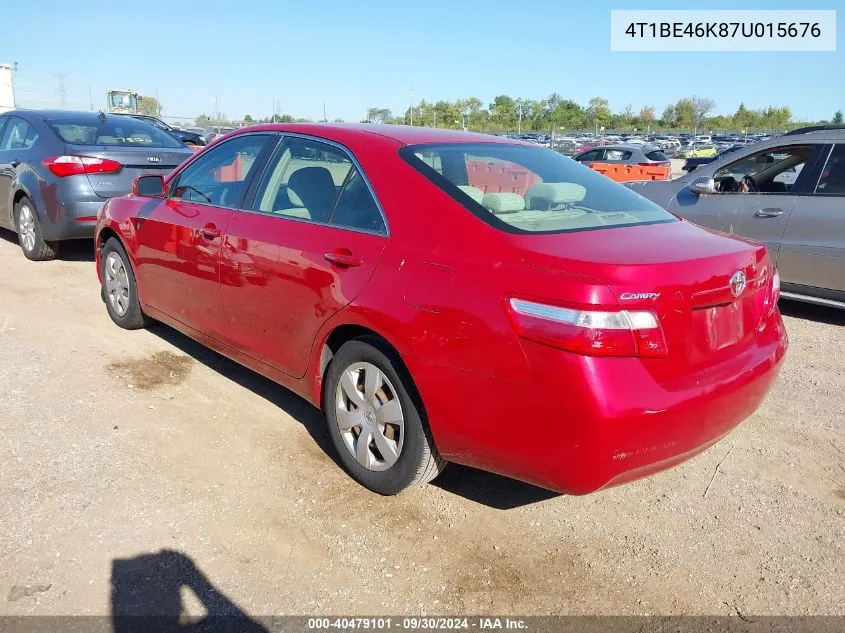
592, 155
121, 131
656, 155
832, 180
530, 189
2, 126
19, 134
617, 154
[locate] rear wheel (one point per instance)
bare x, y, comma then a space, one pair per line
119, 289
29, 233
375, 424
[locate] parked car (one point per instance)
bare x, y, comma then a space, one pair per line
57, 168
210, 133
692, 164
697, 150
550, 325
789, 193
626, 155
186, 136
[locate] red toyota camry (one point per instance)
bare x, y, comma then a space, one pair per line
446, 296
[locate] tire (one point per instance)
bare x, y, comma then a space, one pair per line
119, 289
418, 461
30, 238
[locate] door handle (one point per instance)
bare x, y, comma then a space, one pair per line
768, 213
15, 162
210, 232
343, 258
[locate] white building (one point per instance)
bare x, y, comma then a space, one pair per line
7, 95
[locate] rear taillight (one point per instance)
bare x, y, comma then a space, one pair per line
589, 332
62, 166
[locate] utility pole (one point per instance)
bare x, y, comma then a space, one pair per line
61, 91
90, 98
324, 112
158, 104
217, 113
412, 105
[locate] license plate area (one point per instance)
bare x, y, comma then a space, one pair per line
724, 325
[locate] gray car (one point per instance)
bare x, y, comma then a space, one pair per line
788, 192
625, 155
57, 168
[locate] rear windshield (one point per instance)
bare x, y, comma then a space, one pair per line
114, 131
530, 189
656, 156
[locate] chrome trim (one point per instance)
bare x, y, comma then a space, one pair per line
281, 216
360, 169
823, 165
817, 300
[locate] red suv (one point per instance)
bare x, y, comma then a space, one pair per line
450, 296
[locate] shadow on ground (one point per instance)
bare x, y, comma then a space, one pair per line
69, 250
147, 595
475, 485
812, 312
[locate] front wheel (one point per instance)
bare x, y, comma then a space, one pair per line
375, 424
119, 289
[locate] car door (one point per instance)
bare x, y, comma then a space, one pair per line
179, 237
6, 175
760, 215
305, 248
812, 252
16, 142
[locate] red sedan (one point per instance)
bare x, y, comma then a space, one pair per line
446, 296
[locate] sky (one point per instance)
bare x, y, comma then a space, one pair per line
352, 55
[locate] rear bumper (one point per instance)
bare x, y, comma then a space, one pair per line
72, 220
588, 423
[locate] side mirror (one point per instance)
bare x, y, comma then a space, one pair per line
703, 186
148, 186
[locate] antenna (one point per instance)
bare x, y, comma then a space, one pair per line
61, 91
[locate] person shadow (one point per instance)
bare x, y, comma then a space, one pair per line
147, 595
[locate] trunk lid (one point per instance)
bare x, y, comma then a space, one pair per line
136, 161
680, 271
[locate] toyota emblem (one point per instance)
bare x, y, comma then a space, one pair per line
738, 283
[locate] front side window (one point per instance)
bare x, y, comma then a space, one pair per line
770, 171
219, 175
832, 180
119, 131
19, 134
531, 190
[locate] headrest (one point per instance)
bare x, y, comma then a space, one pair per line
544, 195
311, 186
503, 202
473, 192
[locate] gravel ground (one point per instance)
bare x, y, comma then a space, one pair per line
138, 470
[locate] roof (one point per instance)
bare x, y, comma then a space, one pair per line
60, 114
402, 134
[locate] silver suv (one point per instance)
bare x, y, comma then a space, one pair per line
788, 192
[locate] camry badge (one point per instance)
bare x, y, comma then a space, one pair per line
633, 296
153, 159
738, 283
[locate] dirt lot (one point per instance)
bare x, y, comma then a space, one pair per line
136, 464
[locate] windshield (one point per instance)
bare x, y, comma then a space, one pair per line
530, 189
114, 131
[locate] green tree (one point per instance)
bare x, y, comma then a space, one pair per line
149, 106
646, 116
837, 118
668, 118
598, 111
379, 115
503, 113
248, 119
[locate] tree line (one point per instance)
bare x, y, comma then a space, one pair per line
554, 113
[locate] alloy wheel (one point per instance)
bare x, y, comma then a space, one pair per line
26, 228
117, 283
